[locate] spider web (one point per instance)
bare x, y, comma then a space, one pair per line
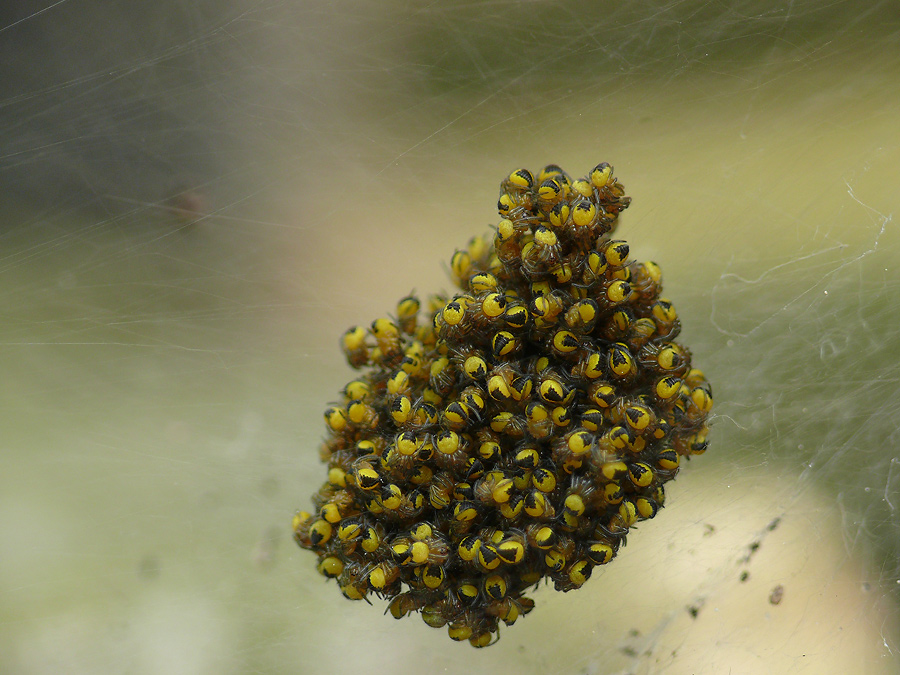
200, 197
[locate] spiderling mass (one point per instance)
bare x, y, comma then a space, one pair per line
520, 430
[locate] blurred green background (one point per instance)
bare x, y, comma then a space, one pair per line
200, 197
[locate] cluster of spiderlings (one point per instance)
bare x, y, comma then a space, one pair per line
521, 430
